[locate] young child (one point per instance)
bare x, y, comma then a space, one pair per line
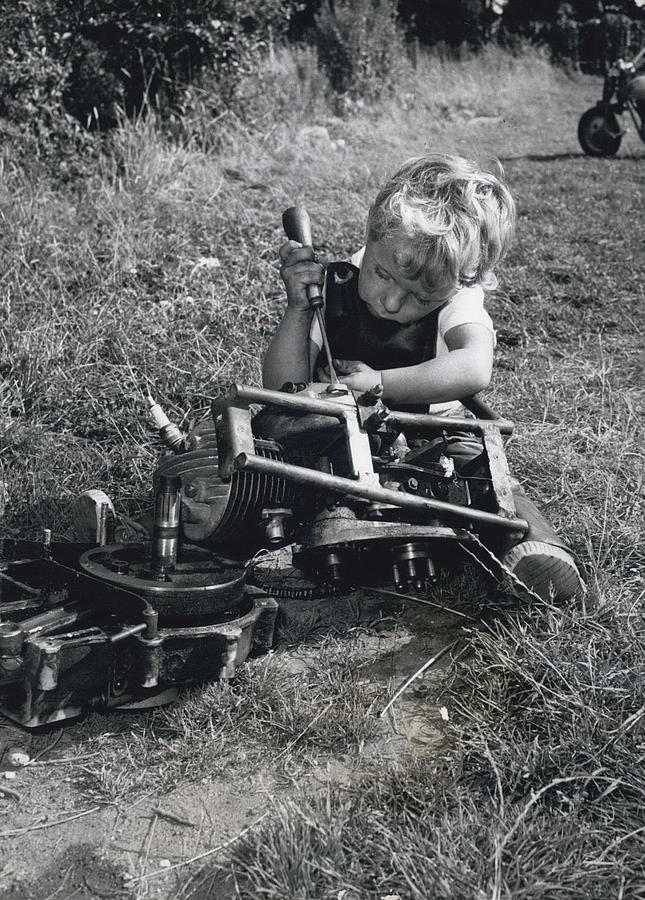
408, 313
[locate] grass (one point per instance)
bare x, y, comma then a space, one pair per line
538, 795
291, 712
158, 268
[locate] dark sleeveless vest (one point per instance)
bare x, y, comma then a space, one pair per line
354, 333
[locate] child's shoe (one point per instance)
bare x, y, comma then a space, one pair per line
549, 570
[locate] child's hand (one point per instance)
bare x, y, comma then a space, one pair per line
356, 374
298, 270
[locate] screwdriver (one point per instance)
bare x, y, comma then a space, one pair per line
297, 227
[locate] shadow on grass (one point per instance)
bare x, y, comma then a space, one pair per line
561, 157
28, 521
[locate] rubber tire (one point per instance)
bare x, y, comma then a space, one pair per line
596, 130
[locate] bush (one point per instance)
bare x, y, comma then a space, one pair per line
33, 71
360, 46
94, 59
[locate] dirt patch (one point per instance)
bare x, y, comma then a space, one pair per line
57, 840
79, 872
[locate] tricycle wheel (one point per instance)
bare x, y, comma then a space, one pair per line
599, 132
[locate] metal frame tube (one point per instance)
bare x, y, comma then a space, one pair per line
241, 393
447, 423
369, 491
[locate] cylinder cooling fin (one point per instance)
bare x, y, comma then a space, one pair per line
225, 511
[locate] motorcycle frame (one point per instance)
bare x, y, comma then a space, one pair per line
616, 84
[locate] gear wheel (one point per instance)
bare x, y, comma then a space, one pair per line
291, 584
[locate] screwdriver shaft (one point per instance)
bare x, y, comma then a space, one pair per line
323, 331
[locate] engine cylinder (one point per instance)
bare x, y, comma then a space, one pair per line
224, 511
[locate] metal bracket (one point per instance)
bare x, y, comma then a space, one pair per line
499, 471
234, 435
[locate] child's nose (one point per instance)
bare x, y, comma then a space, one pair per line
393, 300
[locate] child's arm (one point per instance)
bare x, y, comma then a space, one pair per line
465, 370
288, 356
291, 355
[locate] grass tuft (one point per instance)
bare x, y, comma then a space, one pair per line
537, 794
291, 709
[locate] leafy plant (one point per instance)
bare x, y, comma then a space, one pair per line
94, 58
34, 49
360, 46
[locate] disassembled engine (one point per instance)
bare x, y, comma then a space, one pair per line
365, 494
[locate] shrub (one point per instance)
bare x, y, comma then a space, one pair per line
33, 71
360, 46
58, 57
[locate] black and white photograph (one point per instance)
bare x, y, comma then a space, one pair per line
322, 502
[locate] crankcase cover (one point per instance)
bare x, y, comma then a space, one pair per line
200, 584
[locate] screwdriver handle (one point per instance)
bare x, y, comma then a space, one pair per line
297, 227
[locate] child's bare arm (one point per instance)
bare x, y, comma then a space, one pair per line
464, 371
289, 356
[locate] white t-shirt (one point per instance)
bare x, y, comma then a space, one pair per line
465, 307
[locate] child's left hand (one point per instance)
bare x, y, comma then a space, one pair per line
356, 374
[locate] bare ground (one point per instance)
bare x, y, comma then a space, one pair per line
59, 841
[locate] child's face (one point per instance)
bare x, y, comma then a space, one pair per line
390, 295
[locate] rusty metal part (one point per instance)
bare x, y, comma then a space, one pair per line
221, 509
277, 525
412, 566
293, 585
319, 400
108, 645
500, 475
349, 411
341, 525
338, 546
414, 422
234, 436
309, 401
480, 409
123, 624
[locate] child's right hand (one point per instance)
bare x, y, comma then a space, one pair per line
298, 270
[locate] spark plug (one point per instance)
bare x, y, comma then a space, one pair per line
172, 436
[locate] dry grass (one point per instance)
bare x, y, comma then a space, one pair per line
158, 267
537, 797
278, 712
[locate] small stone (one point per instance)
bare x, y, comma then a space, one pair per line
16, 756
315, 136
164, 863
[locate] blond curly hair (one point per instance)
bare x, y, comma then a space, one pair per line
459, 219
